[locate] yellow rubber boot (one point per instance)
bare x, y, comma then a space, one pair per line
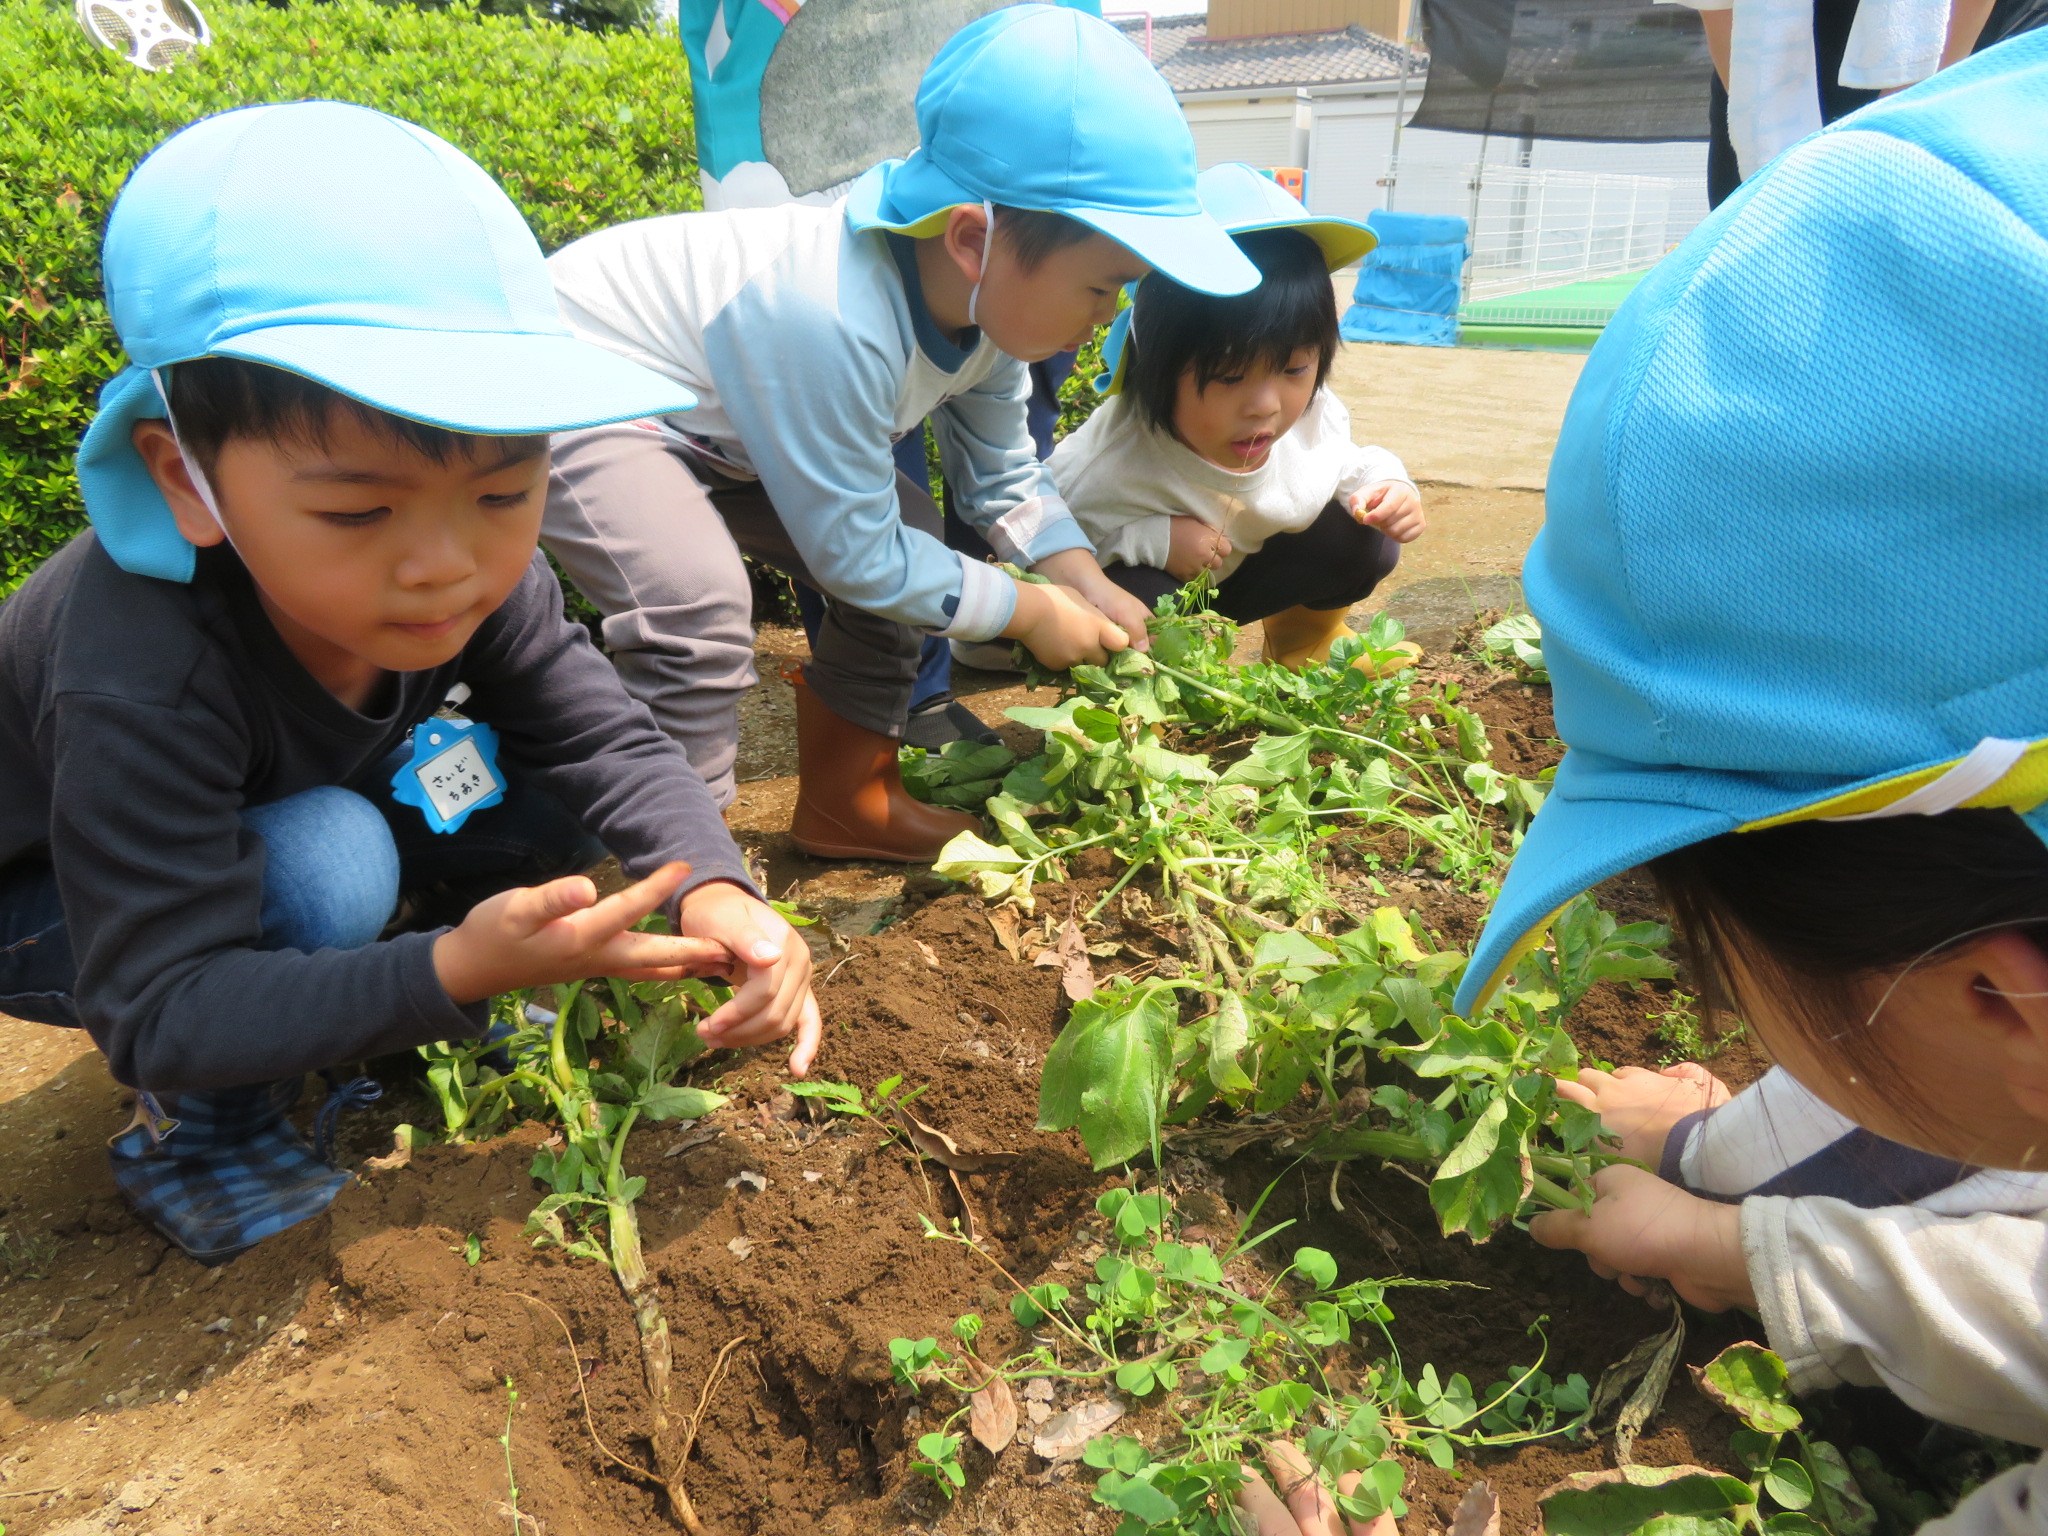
1299, 636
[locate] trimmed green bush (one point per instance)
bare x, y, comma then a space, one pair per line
583, 131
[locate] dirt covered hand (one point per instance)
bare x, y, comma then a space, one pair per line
1392, 506
538, 935
768, 964
1303, 1506
1195, 547
1641, 1106
1062, 628
1077, 570
1641, 1229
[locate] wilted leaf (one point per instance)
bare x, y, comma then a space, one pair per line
1004, 921
1637, 1383
968, 854
941, 1148
1064, 1434
992, 1410
1107, 1073
1750, 1381
1070, 957
1478, 1513
399, 1156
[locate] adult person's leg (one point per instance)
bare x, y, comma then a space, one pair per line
852, 700
634, 525
1302, 584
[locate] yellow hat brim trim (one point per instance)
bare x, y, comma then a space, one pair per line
2023, 786
1521, 951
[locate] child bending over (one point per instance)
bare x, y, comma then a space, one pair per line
1836, 767
228, 753
1223, 454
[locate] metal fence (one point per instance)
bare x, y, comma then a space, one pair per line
1545, 228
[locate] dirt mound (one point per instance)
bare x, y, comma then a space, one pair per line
352, 1374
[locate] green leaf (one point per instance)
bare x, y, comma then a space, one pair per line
1139, 1498
1838, 1497
672, 1103
1296, 956
1222, 1356
843, 1098
1272, 760
1316, 1266
1156, 762
1750, 1382
1136, 1378
1107, 1073
969, 854
1787, 1482
1228, 1032
1622, 1507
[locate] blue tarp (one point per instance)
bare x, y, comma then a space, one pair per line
1407, 286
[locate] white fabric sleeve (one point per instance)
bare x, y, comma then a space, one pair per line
1146, 540
993, 472
1944, 1311
1699, 5
2014, 1503
987, 599
1369, 466
1770, 1126
812, 405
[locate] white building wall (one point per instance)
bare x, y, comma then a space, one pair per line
1273, 129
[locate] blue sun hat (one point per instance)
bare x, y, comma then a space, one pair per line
1792, 560
352, 248
1244, 201
1043, 107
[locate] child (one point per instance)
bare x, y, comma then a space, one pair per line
1832, 758
1223, 453
315, 496
1053, 167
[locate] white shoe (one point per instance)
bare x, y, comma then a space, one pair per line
986, 655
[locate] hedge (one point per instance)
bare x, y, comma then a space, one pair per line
582, 130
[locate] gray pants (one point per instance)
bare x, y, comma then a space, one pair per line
652, 535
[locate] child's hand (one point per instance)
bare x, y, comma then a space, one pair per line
1061, 627
1641, 1106
769, 966
538, 935
1392, 506
1076, 570
1641, 1228
1308, 1509
1196, 548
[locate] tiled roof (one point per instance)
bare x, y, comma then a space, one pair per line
1193, 61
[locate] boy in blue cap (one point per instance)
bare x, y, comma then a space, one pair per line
228, 743
1054, 167
1835, 766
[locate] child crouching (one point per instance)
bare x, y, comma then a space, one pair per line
228, 733
1223, 454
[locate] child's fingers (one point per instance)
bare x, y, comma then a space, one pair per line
1314, 1511
529, 910
1264, 1514
810, 1026
1381, 1524
616, 913
1579, 1094
660, 951
1562, 1229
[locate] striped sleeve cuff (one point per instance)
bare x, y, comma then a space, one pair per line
1034, 529
987, 599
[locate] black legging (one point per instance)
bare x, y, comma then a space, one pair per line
1334, 562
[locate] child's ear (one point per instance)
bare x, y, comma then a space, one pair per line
159, 449
967, 236
2011, 991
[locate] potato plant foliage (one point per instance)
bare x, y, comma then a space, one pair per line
582, 131
1287, 988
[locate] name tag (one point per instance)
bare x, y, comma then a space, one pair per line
453, 771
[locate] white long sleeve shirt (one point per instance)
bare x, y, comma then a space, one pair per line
810, 351
1125, 482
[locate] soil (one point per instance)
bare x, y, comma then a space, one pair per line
357, 1373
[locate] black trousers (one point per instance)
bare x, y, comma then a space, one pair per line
1334, 562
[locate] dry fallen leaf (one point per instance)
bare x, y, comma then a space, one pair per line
991, 1411
931, 957
1070, 957
1478, 1513
1063, 1435
1038, 1390
742, 1247
747, 1176
943, 1149
694, 1139
1004, 921
399, 1156
967, 1226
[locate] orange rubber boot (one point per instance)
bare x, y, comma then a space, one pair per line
850, 799
1298, 636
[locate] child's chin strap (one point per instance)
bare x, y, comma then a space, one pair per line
988, 246
200, 484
